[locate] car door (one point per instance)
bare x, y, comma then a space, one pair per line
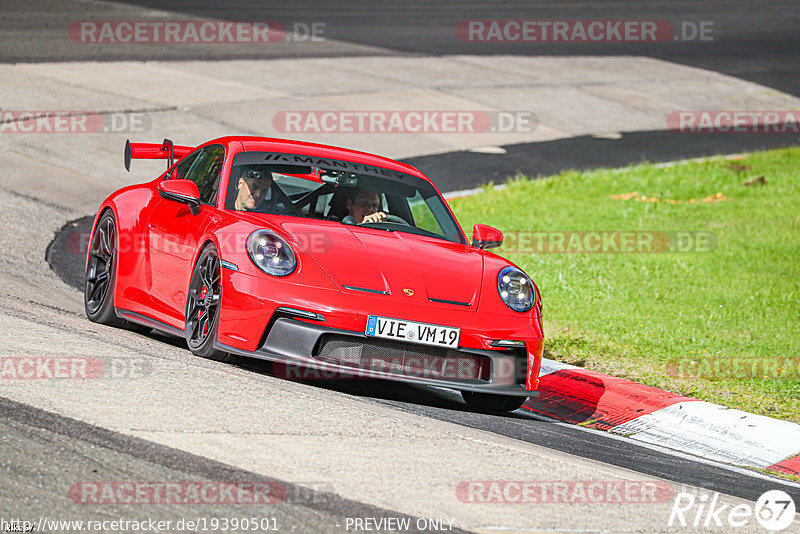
175, 233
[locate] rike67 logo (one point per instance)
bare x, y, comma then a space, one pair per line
774, 510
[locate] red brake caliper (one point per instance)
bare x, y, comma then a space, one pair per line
202, 297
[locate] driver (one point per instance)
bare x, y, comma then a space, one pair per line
362, 207
252, 187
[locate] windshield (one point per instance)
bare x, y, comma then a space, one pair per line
306, 186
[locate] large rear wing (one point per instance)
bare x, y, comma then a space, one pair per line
166, 150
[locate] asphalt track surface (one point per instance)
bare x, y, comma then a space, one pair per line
757, 41
70, 446
465, 170
447, 406
752, 40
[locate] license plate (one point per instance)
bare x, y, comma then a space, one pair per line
412, 332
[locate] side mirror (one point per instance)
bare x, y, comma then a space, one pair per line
181, 191
485, 236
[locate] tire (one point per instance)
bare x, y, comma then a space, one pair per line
487, 402
101, 273
101, 277
202, 307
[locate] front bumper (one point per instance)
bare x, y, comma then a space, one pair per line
251, 324
301, 343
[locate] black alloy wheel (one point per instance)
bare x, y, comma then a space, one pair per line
202, 306
98, 295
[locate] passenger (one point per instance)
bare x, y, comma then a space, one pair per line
252, 190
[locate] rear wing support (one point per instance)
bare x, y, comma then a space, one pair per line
166, 150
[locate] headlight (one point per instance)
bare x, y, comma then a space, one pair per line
516, 289
270, 253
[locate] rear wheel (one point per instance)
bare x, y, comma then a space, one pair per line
487, 402
100, 278
202, 307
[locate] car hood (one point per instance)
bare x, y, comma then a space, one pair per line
371, 260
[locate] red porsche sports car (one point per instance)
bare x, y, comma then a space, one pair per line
317, 257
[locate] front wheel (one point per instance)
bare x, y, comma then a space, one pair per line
487, 402
202, 307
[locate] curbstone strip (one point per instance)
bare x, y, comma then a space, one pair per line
643, 413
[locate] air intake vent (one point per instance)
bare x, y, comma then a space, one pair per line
402, 358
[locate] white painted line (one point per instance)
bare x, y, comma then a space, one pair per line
716, 432
608, 135
488, 149
470, 192
551, 366
658, 447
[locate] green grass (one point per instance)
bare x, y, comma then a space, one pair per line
632, 314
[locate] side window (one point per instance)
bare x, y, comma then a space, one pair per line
182, 168
205, 171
